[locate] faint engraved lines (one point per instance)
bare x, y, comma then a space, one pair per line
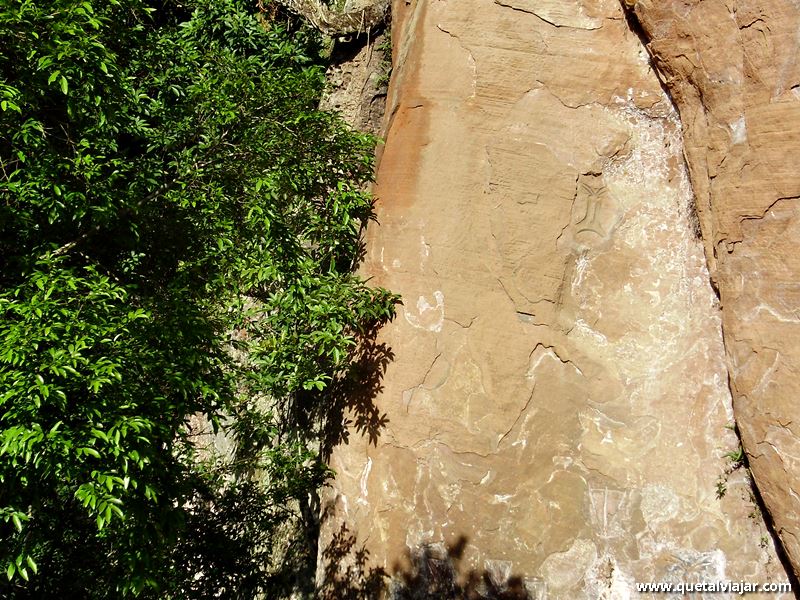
609, 512
594, 212
594, 195
690, 566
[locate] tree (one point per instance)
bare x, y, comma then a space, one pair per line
178, 229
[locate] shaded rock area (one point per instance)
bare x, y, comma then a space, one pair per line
556, 414
358, 78
733, 70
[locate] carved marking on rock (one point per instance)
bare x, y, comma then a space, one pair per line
607, 512
690, 566
429, 317
594, 212
536, 588
594, 198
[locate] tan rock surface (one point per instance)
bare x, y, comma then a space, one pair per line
733, 69
557, 405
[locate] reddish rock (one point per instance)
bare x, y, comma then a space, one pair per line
555, 413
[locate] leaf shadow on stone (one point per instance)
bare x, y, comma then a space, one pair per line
429, 572
349, 404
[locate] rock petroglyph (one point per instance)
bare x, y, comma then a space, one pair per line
558, 402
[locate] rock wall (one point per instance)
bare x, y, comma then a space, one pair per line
556, 414
733, 70
357, 80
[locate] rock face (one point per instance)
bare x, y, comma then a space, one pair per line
357, 80
733, 70
554, 418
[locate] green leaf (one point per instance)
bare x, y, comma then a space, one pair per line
180, 240
90, 452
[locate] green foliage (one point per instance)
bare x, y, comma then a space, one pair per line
736, 457
385, 67
178, 230
722, 486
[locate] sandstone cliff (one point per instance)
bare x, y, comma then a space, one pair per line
555, 418
733, 70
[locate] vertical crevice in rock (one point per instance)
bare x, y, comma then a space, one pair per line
698, 94
769, 523
636, 28
534, 186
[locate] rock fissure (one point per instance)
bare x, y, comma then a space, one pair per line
754, 274
764, 213
546, 197
536, 11
522, 411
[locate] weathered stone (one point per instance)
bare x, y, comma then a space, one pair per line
357, 80
558, 400
733, 70
352, 17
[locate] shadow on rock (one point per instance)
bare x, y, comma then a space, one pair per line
349, 404
429, 572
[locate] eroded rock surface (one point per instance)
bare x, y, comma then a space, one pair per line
357, 80
733, 69
556, 410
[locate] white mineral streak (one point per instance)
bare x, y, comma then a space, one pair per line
563, 421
